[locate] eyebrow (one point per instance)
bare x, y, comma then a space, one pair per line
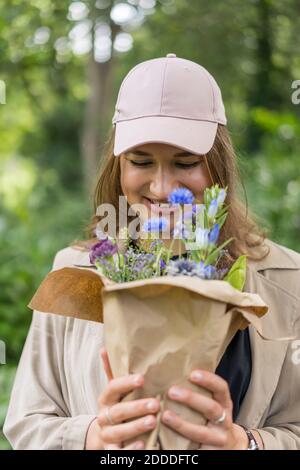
146, 154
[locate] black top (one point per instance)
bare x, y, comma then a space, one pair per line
235, 367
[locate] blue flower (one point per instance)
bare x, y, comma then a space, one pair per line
181, 196
214, 234
206, 272
181, 267
213, 208
155, 225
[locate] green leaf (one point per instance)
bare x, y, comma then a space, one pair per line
221, 220
214, 254
237, 274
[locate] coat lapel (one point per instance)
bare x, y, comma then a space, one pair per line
267, 355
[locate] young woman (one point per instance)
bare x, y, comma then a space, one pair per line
169, 131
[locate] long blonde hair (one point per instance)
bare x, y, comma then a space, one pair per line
222, 165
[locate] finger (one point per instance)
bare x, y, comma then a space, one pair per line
121, 432
195, 432
137, 445
119, 387
106, 363
216, 384
124, 411
112, 446
210, 408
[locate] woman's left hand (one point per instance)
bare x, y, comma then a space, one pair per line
226, 434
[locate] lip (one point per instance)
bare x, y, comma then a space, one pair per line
160, 210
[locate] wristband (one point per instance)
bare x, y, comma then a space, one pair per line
252, 442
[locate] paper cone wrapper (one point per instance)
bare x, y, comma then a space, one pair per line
162, 327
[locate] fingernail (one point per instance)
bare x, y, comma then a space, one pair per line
137, 380
149, 422
151, 405
139, 445
168, 417
197, 375
175, 392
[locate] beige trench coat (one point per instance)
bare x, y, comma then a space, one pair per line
60, 373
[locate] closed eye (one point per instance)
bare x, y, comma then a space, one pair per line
178, 164
188, 165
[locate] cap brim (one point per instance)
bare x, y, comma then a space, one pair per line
191, 135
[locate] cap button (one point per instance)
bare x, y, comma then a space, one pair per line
171, 55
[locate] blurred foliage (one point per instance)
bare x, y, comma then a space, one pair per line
250, 47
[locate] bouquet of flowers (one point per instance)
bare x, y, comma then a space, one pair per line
163, 315
198, 225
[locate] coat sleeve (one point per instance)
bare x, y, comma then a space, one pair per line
38, 416
281, 430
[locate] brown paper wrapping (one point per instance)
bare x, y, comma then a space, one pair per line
162, 327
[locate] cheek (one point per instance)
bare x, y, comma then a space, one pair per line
196, 179
132, 179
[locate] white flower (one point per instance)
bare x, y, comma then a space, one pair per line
221, 197
202, 238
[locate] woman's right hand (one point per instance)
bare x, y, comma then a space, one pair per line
101, 434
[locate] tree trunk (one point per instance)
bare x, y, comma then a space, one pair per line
98, 106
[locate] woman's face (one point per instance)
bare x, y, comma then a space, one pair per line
150, 172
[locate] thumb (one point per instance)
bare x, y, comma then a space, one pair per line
106, 364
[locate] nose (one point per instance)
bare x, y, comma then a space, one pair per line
162, 184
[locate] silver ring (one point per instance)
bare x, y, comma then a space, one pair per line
109, 419
221, 419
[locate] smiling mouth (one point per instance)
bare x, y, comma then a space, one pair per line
161, 206
158, 203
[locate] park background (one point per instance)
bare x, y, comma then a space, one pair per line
62, 63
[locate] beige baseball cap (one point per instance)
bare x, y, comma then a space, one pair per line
169, 100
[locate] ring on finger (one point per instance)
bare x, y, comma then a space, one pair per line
108, 417
221, 419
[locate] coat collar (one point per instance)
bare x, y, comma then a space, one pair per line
279, 257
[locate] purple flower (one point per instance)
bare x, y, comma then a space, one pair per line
181, 196
102, 249
162, 264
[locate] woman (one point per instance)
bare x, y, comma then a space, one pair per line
169, 131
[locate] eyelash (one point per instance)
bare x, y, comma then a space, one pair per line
181, 165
